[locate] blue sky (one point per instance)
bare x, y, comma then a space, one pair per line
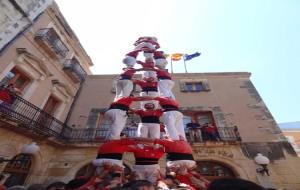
257, 36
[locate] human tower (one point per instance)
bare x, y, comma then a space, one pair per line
158, 107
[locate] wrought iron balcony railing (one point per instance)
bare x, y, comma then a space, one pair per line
51, 42
31, 118
74, 70
227, 134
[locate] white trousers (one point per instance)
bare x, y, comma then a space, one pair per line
147, 172
123, 88
103, 161
149, 130
174, 124
189, 164
117, 119
165, 88
151, 94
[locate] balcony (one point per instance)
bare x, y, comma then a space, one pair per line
29, 119
74, 70
223, 134
50, 41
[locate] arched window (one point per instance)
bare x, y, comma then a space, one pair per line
86, 171
214, 170
18, 169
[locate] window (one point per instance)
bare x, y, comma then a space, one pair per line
49, 39
51, 105
17, 78
192, 85
74, 70
201, 117
18, 169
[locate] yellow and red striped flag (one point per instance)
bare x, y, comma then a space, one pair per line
176, 56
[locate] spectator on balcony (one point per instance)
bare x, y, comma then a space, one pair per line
5, 97
212, 132
14, 90
194, 131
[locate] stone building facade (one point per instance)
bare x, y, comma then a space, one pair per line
292, 132
43, 59
60, 106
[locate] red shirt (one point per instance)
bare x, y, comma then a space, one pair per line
4, 96
125, 101
186, 179
178, 146
147, 152
166, 102
128, 72
2, 187
163, 74
210, 129
148, 40
115, 146
147, 64
143, 113
144, 84
149, 116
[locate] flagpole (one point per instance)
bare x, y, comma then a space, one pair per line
184, 65
171, 66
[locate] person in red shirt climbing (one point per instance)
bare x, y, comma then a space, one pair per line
212, 132
179, 153
172, 118
150, 124
5, 97
165, 83
124, 84
146, 161
111, 152
149, 66
117, 114
149, 88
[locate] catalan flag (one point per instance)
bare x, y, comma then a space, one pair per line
176, 56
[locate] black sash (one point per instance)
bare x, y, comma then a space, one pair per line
150, 119
116, 156
173, 156
119, 106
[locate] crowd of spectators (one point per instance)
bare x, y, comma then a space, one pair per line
107, 179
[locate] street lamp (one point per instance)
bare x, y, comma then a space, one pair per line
263, 161
31, 148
